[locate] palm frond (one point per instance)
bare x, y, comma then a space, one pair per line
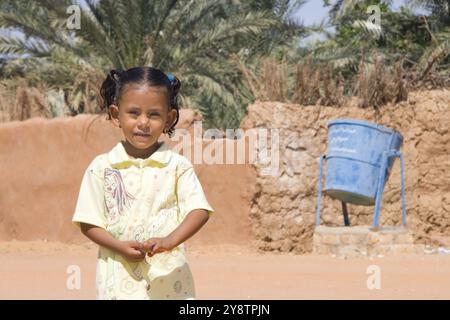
435, 54
373, 29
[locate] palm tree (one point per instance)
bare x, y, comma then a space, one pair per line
421, 41
192, 39
437, 23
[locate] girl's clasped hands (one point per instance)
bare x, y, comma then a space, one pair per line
136, 251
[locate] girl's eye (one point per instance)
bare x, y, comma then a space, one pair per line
154, 114
135, 113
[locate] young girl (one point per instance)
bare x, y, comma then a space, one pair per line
140, 201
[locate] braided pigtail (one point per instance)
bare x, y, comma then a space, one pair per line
174, 88
110, 89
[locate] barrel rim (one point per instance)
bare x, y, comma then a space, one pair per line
361, 199
365, 123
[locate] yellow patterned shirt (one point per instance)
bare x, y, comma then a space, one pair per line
137, 199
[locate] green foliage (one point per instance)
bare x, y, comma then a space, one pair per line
219, 50
192, 39
419, 42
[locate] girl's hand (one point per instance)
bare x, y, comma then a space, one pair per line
132, 251
156, 245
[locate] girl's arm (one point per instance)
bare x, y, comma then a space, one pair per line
193, 222
131, 250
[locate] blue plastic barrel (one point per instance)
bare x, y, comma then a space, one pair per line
354, 154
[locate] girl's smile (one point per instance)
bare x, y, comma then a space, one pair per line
143, 135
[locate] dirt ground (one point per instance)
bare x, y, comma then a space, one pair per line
38, 270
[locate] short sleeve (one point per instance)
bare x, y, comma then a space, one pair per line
190, 193
90, 206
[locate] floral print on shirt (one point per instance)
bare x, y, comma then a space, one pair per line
116, 196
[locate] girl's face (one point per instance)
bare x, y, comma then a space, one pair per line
143, 115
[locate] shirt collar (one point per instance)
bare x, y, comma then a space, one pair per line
119, 159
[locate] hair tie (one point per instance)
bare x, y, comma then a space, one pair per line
171, 77
116, 74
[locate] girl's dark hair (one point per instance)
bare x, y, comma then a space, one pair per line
117, 79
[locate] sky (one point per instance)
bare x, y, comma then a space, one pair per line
312, 12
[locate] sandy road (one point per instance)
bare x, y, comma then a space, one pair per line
37, 270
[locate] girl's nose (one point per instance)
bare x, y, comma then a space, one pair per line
143, 121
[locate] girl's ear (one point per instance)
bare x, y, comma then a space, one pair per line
114, 113
171, 116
